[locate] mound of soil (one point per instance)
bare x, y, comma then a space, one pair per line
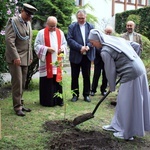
64, 136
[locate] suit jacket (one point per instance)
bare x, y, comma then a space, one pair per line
75, 42
15, 46
98, 59
136, 38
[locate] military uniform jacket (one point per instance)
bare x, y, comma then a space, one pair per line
18, 37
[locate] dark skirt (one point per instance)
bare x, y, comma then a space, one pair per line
48, 88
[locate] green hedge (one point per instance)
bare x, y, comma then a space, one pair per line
140, 16
146, 47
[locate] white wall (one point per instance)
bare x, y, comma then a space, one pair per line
103, 11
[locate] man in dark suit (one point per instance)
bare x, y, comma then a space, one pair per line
81, 54
18, 36
98, 68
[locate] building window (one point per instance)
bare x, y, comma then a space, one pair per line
131, 1
78, 2
119, 1
139, 1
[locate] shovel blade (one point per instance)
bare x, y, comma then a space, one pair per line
82, 118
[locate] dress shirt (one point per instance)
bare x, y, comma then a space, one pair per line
82, 28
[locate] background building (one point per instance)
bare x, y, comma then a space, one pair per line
105, 10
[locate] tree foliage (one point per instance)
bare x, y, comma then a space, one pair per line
62, 10
2, 14
90, 18
7, 9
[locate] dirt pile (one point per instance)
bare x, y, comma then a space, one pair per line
67, 137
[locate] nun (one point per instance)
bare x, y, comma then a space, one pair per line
132, 114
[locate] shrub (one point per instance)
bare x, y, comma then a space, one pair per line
7, 9
3, 64
33, 68
146, 46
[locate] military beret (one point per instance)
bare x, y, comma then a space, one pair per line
29, 8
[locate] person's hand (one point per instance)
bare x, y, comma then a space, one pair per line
50, 50
83, 49
60, 51
87, 48
17, 62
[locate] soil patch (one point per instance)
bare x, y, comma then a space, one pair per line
63, 136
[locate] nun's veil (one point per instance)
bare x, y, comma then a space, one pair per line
117, 43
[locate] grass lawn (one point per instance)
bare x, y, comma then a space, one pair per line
27, 133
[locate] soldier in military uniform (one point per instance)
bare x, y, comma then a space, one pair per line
18, 37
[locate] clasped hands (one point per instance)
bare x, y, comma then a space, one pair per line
84, 49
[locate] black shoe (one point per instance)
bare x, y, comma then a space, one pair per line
20, 113
92, 93
61, 104
113, 103
26, 109
74, 99
87, 99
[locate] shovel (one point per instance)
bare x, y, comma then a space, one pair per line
87, 116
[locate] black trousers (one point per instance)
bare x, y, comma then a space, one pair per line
84, 66
98, 68
48, 88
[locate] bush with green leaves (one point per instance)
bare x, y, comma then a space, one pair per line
3, 64
146, 46
62, 10
7, 9
33, 68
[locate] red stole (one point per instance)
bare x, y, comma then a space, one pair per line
49, 56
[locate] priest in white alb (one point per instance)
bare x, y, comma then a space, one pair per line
49, 46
